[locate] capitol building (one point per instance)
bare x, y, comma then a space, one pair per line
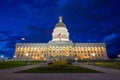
60, 48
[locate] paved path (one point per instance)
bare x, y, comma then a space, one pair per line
12, 70
7, 74
102, 69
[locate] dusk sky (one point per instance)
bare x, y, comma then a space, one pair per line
87, 21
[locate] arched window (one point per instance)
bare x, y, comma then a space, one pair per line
88, 51
75, 55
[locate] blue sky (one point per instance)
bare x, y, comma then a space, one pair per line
86, 20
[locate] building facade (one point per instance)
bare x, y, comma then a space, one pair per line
60, 48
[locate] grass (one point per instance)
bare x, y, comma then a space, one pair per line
46, 69
60, 66
12, 64
114, 65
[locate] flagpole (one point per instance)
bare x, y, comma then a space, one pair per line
60, 46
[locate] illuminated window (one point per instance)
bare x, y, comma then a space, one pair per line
22, 55
18, 55
102, 55
88, 54
75, 55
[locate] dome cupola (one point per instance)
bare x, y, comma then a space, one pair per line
60, 32
60, 23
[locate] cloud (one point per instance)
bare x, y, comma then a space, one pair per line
110, 37
86, 20
40, 8
112, 42
38, 34
113, 52
8, 40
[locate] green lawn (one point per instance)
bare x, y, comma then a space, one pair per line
48, 69
11, 64
114, 65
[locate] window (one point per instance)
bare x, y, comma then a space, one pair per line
75, 55
22, 55
88, 54
101, 51
98, 51
102, 55
18, 55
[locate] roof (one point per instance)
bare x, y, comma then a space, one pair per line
60, 23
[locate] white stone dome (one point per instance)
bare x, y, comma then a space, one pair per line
60, 32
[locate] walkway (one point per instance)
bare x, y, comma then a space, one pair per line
101, 69
12, 70
8, 74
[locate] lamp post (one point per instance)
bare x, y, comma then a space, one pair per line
42, 58
2, 56
119, 56
14, 57
119, 59
76, 60
27, 58
93, 55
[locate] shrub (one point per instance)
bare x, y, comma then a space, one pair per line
60, 64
